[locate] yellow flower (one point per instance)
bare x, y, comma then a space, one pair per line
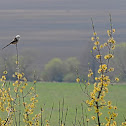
109, 102
32, 99
117, 79
62, 124
47, 121
95, 84
34, 81
103, 67
88, 83
97, 38
23, 87
21, 90
109, 32
35, 101
33, 118
90, 74
7, 109
12, 99
78, 80
30, 122
13, 75
5, 72
96, 78
32, 88
9, 105
113, 30
115, 107
87, 120
101, 46
94, 47
98, 89
100, 113
32, 105
91, 103
105, 44
16, 73
36, 95
111, 40
26, 84
109, 107
106, 89
24, 103
15, 89
97, 110
92, 94
111, 56
115, 114
19, 76
111, 69
92, 38
114, 123
87, 101
96, 43
93, 117
17, 62
113, 47
13, 84
8, 89
106, 118
22, 74
98, 56
47, 124
99, 71
24, 79
108, 56
103, 124
95, 33
90, 70
3, 78
123, 123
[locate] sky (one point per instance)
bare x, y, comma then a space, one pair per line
63, 4
59, 28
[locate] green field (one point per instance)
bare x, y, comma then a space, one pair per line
52, 93
73, 96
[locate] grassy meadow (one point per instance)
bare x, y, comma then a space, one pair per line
50, 94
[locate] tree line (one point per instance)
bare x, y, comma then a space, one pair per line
62, 70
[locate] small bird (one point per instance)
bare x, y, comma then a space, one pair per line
14, 41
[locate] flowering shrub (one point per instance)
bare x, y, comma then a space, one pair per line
96, 98
13, 101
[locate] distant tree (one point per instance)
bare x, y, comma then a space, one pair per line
26, 60
119, 62
58, 70
2, 65
71, 66
54, 70
70, 77
88, 62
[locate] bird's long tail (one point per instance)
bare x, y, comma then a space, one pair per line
6, 46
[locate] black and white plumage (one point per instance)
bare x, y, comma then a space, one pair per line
14, 41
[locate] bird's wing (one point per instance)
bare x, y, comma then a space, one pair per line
14, 41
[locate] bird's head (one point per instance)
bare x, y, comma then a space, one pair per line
17, 37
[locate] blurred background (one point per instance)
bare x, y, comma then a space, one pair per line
56, 29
